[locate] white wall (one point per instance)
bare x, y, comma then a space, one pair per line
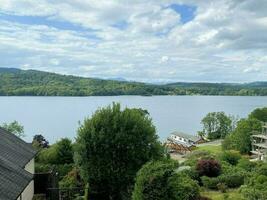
27, 194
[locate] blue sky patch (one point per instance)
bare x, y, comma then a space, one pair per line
187, 12
37, 20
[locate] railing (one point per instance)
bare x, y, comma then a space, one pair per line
65, 193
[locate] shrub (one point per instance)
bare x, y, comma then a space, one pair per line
71, 180
222, 187
232, 157
159, 181
232, 180
245, 164
210, 183
209, 167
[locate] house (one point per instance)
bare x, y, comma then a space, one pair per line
16, 168
182, 142
259, 143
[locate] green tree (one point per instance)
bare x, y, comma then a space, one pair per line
158, 181
112, 146
259, 114
216, 125
39, 142
240, 139
15, 128
64, 151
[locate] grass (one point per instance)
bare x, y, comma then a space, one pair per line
217, 195
210, 148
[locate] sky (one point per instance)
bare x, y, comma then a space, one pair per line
142, 40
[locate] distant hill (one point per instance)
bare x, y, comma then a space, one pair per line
16, 82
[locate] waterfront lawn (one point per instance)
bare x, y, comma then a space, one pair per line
217, 195
215, 149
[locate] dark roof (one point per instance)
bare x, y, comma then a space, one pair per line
14, 155
186, 136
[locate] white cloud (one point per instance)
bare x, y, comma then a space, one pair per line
139, 40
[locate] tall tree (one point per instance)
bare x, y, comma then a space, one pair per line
39, 142
15, 128
112, 146
216, 125
259, 114
240, 139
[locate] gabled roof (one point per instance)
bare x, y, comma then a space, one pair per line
14, 155
186, 136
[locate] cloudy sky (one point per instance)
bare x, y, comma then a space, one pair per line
142, 40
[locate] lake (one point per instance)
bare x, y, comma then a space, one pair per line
57, 117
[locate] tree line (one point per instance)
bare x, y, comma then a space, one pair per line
15, 82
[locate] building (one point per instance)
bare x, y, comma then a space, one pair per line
182, 142
16, 168
259, 143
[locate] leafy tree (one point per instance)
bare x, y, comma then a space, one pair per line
259, 114
240, 139
15, 128
39, 142
216, 125
59, 153
112, 146
159, 181
64, 151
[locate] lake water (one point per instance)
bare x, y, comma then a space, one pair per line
57, 117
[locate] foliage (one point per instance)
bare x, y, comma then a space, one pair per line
231, 156
195, 156
58, 153
112, 146
259, 114
71, 180
210, 182
64, 151
15, 128
240, 139
208, 167
36, 83
255, 189
158, 181
61, 169
216, 195
39, 142
246, 165
216, 125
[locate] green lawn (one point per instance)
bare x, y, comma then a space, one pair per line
216, 195
210, 148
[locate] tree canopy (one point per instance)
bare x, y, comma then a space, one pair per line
14, 127
159, 180
37, 83
112, 146
216, 125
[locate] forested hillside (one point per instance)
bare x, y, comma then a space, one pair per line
15, 82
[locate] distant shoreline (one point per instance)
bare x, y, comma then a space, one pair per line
16, 82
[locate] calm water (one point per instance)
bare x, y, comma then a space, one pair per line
57, 117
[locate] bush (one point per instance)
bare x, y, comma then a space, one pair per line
71, 180
210, 168
210, 183
232, 157
245, 164
222, 187
232, 180
158, 181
